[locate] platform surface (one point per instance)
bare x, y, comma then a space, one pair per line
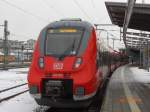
128, 91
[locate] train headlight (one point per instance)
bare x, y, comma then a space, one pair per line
41, 62
79, 91
77, 62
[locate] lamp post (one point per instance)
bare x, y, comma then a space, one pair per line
148, 53
22, 49
5, 44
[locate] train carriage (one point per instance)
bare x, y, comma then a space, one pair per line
67, 68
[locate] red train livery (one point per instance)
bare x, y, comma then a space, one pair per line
67, 68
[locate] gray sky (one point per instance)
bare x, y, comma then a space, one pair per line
27, 17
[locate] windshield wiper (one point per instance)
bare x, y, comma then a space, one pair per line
73, 45
70, 48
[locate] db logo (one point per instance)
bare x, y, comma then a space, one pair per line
58, 66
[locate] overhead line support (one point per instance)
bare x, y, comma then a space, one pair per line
127, 18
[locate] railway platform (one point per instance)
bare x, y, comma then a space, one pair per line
128, 91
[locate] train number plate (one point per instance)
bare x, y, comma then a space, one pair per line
53, 83
60, 88
53, 88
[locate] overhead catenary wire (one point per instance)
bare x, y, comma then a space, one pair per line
113, 38
92, 2
95, 9
58, 12
108, 32
93, 5
20, 35
27, 37
25, 11
82, 10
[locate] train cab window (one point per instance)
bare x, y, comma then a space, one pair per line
63, 41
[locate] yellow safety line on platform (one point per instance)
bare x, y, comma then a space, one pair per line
132, 103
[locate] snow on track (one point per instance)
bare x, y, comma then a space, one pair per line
13, 91
21, 103
13, 77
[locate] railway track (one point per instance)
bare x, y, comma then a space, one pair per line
12, 87
12, 92
94, 107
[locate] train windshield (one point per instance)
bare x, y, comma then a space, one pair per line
62, 42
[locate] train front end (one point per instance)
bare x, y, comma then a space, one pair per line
63, 72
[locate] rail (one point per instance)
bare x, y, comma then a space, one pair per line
12, 92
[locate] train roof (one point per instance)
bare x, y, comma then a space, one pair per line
70, 23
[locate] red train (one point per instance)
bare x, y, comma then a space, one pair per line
69, 66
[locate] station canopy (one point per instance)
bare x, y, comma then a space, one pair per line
140, 20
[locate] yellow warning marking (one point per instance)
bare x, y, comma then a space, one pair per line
132, 103
131, 99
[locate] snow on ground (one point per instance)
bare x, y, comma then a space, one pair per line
141, 75
20, 70
25, 103
21, 103
12, 77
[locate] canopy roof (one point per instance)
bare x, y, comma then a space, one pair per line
140, 20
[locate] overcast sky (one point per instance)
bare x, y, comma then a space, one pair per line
27, 17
